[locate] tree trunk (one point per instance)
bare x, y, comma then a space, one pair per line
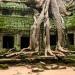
57, 7
59, 24
47, 28
62, 8
35, 31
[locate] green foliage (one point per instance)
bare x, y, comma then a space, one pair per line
70, 22
12, 5
70, 58
13, 22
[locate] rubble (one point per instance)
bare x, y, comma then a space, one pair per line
62, 67
37, 69
54, 66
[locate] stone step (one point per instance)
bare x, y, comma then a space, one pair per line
69, 60
71, 56
71, 51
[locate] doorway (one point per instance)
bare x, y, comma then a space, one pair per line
24, 42
8, 42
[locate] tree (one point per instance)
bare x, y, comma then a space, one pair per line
43, 7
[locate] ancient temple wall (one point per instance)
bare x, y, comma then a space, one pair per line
74, 38
17, 39
1, 40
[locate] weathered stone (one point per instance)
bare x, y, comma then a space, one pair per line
62, 67
54, 66
17, 41
37, 70
47, 67
4, 66
73, 68
28, 66
42, 63
1, 41
74, 39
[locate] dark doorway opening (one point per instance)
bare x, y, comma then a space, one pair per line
24, 42
8, 42
71, 39
53, 39
7, 12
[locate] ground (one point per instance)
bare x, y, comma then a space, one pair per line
23, 70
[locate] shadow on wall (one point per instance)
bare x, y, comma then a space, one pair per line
24, 42
8, 42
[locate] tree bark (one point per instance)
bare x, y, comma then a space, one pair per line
35, 31
55, 6
47, 28
59, 24
62, 8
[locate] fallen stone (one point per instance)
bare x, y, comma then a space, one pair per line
73, 68
62, 67
54, 66
42, 63
28, 66
37, 70
47, 67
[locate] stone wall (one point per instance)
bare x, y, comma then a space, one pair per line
74, 38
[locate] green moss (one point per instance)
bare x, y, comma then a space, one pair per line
3, 51
71, 47
13, 22
13, 6
3, 66
70, 22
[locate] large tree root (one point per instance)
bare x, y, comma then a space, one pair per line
17, 54
47, 50
59, 24
59, 54
61, 49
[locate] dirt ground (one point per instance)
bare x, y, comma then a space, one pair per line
22, 70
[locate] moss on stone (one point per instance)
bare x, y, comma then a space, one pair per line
70, 22
16, 22
3, 66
